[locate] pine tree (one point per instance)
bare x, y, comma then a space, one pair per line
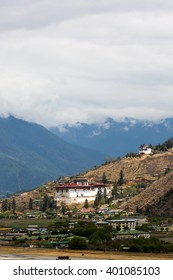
96, 202
9, 206
4, 206
104, 178
44, 203
13, 205
105, 193
99, 196
115, 191
104, 196
30, 205
86, 204
121, 180
98, 199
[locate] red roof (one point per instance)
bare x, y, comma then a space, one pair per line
77, 186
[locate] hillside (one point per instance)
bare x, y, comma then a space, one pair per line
147, 168
157, 199
31, 155
155, 171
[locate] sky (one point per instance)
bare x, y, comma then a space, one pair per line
69, 61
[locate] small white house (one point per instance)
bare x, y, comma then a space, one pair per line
145, 150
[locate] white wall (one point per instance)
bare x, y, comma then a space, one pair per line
78, 195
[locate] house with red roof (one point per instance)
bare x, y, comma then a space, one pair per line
77, 191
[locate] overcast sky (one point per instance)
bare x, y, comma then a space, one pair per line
86, 60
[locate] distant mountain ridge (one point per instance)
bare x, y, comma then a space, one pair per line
31, 155
116, 138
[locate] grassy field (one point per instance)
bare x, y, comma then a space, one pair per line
83, 254
23, 223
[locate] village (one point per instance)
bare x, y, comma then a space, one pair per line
78, 213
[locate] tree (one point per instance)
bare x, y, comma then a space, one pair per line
115, 191
78, 243
9, 206
13, 205
44, 203
86, 204
101, 237
105, 193
121, 180
64, 208
138, 210
99, 195
96, 202
98, 198
84, 229
30, 204
4, 206
104, 178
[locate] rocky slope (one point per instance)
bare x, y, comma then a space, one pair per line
156, 171
138, 168
157, 199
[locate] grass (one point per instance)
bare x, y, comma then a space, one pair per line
23, 223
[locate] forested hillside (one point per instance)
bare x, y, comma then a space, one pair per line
31, 155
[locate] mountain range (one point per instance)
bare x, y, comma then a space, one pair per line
114, 138
31, 155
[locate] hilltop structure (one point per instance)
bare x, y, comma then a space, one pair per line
145, 150
77, 191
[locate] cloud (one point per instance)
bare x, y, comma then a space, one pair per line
82, 60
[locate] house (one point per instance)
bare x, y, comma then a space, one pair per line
97, 218
145, 150
101, 224
77, 191
60, 244
123, 224
132, 234
33, 229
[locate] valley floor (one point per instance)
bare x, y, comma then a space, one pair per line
11, 253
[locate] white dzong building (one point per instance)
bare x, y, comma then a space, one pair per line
78, 191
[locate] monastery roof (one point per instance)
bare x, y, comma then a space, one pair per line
77, 186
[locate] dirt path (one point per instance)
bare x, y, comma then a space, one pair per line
38, 253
